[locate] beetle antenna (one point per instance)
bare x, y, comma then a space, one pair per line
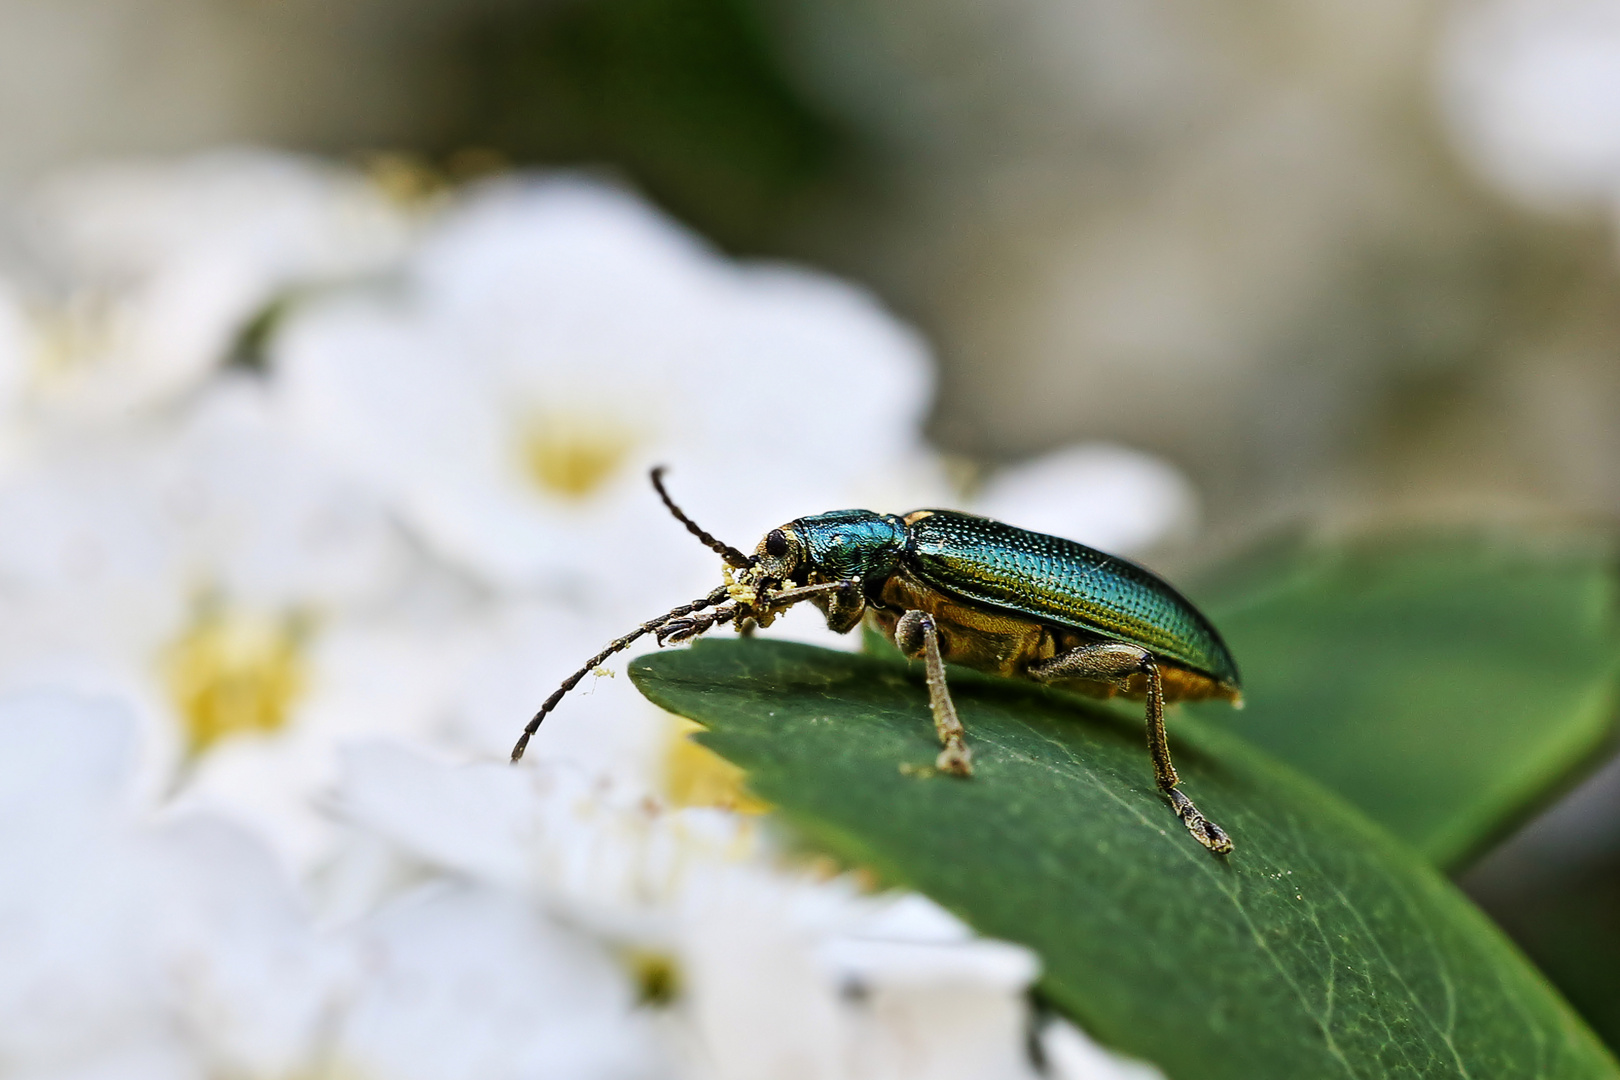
725, 551
616, 645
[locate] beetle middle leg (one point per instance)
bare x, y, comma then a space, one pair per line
1113, 662
917, 635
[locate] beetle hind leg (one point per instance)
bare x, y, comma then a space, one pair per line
917, 635
1113, 662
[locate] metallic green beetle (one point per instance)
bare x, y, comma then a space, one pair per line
950, 586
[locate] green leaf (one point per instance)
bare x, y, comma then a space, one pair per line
1320, 948
1445, 685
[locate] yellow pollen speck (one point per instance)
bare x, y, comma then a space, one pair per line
571, 456
694, 775
229, 673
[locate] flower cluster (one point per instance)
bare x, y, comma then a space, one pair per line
310, 492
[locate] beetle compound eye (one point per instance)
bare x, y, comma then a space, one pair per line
776, 544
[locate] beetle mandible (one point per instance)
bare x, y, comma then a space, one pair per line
944, 585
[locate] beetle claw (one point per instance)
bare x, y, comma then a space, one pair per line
679, 631
956, 759
1205, 831
675, 631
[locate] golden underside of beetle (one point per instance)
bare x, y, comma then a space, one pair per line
1004, 644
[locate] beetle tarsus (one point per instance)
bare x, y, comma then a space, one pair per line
1205, 831
676, 631
956, 759
682, 630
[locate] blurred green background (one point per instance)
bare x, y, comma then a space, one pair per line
1257, 240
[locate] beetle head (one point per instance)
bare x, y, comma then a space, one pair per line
780, 558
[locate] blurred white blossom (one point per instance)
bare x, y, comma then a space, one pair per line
1106, 496
116, 543
553, 339
149, 272
198, 570
463, 981
138, 947
16, 349
1532, 89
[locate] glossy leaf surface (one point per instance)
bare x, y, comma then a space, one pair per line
1443, 685
1320, 948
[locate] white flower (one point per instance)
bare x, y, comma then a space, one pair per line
112, 537
17, 348
175, 948
14, 346
1108, 497
773, 970
199, 573
1532, 90
157, 267
554, 339
466, 981
132, 947
1071, 1055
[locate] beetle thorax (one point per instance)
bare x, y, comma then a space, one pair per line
852, 545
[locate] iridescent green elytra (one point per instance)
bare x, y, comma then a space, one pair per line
950, 586
1048, 578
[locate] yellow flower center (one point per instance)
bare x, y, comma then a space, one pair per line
406, 179
694, 775
68, 336
573, 457
229, 673
657, 975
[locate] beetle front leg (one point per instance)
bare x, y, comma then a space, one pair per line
1113, 662
916, 635
679, 631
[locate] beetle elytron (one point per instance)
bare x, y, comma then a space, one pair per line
950, 586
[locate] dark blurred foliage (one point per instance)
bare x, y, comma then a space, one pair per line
1569, 924
683, 96
1555, 888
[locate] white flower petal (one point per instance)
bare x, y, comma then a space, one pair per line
941, 1032
16, 349
162, 263
1104, 496
61, 753
1071, 1055
760, 1002
1532, 90
467, 982
572, 314
126, 941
